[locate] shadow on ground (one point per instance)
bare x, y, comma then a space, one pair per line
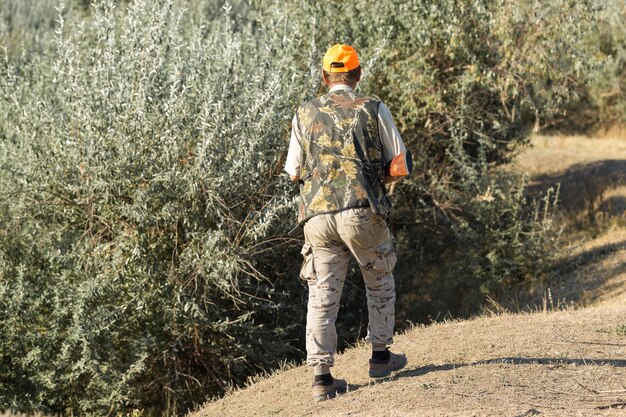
580, 278
426, 369
572, 263
589, 194
422, 370
584, 188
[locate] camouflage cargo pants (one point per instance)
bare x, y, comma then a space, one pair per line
329, 241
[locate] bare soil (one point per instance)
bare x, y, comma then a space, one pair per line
563, 355
560, 363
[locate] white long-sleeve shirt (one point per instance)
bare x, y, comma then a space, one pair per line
390, 139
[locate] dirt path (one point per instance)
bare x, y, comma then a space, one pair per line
562, 363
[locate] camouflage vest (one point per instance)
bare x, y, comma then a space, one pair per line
341, 165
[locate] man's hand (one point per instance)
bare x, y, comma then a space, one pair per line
391, 183
294, 178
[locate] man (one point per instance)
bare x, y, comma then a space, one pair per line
344, 147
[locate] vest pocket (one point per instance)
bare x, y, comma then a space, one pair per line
307, 271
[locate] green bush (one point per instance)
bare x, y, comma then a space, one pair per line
607, 86
142, 197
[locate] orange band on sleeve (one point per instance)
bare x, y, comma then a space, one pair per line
397, 167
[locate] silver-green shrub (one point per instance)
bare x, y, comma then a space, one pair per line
607, 86
140, 195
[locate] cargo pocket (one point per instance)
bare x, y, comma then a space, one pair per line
307, 271
385, 258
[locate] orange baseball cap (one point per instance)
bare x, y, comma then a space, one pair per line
340, 58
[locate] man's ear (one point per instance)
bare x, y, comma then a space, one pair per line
324, 77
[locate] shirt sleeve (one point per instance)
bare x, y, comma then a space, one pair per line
292, 164
389, 135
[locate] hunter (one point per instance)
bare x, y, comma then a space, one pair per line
344, 148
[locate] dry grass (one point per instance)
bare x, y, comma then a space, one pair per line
554, 154
560, 363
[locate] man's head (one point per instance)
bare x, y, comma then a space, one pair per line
341, 66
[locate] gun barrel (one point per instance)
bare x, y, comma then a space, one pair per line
296, 232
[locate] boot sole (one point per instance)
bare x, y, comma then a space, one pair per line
380, 374
330, 395
385, 373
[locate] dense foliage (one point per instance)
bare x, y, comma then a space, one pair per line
141, 195
143, 258
602, 101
